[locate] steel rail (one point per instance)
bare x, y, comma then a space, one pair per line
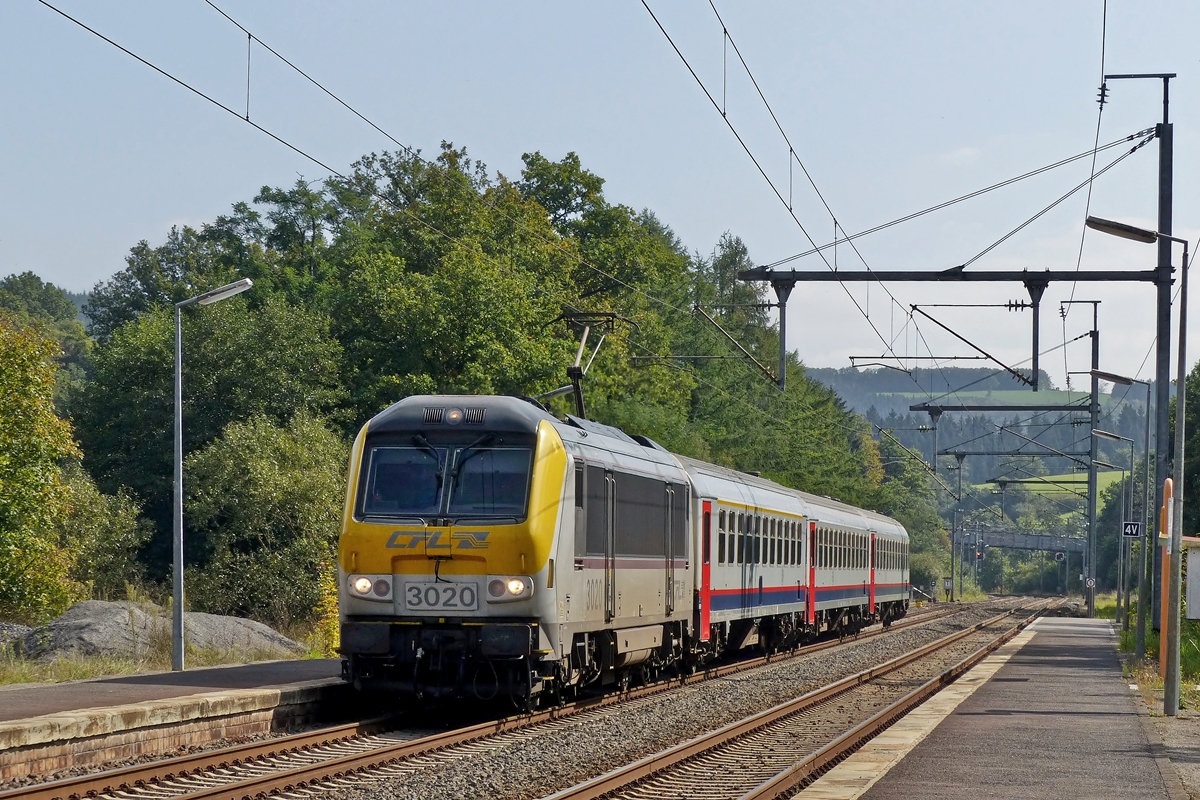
178, 766
804, 771
624, 777
144, 775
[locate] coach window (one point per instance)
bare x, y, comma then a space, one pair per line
774, 555
756, 556
742, 540
721, 537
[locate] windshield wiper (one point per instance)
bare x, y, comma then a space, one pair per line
423, 443
469, 452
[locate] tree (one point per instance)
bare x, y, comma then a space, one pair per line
264, 509
104, 535
238, 363
27, 300
34, 581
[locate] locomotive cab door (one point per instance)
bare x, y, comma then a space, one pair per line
610, 552
669, 550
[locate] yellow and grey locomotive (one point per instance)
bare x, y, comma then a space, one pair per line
490, 549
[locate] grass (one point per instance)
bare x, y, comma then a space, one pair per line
1044, 484
1146, 674
15, 669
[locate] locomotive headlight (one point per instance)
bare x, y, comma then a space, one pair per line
362, 584
509, 588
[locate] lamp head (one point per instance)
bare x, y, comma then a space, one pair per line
1122, 230
1111, 377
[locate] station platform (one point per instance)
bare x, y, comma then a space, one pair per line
18, 701
46, 727
1047, 715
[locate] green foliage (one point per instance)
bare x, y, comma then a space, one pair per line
105, 535
34, 570
264, 505
27, 300
412, 277
237, 363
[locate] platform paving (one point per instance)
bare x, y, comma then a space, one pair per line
1057, 719
20, 701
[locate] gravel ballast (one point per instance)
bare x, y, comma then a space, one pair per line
545, 759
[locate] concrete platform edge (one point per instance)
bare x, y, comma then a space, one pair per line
1171, 780
97, 735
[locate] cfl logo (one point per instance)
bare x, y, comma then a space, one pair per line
439, 540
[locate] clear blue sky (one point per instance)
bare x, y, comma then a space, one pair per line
892, 107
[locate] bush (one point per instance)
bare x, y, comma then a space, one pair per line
34, 580
104, 534
927, 569
263, 512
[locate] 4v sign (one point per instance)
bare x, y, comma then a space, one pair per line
1132, 530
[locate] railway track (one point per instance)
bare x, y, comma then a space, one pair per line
334, 756
774, 753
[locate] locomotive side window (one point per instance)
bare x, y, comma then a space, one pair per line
679, 532
597, 511
641, 515
580, 514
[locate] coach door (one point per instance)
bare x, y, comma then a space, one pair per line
811, 605
871, 607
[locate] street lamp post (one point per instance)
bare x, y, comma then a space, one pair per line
215, 296
1122, 594
1175, 538
1145, 577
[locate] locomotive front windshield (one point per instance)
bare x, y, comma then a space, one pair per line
424, 480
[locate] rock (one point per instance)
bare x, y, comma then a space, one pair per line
98, 627
244, 636
10, 632
133, 630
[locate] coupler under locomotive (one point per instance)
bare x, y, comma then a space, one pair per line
425, 661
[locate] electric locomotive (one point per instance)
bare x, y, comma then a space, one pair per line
490, 549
